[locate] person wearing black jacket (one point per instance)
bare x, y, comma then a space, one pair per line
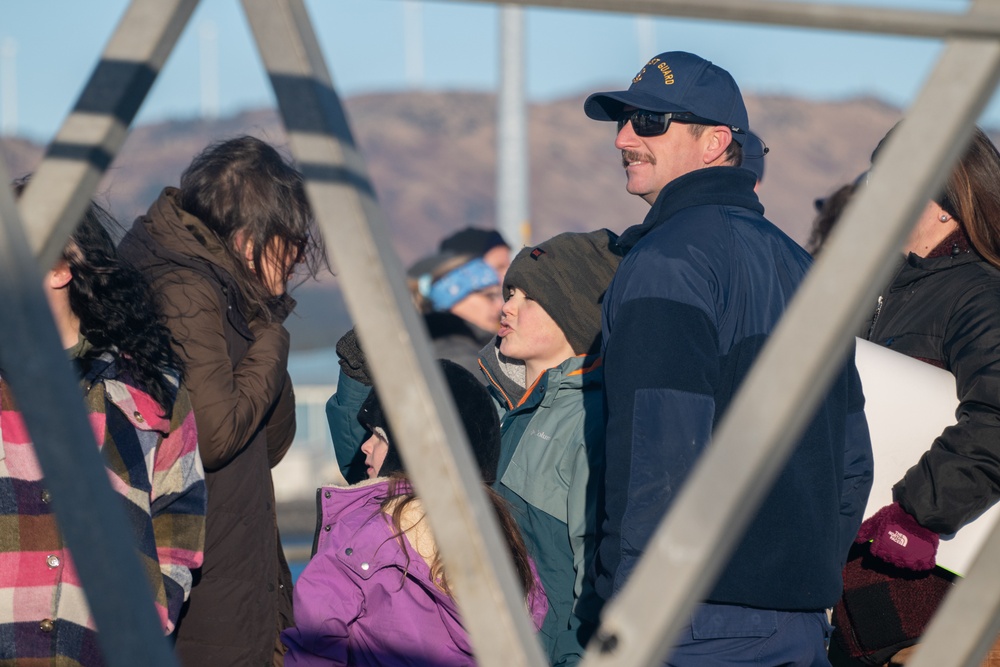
943, 307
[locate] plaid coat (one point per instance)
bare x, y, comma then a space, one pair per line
153, 463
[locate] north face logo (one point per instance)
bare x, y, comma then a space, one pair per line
897, 537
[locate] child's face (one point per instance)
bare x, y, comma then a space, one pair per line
528, 333
375, 449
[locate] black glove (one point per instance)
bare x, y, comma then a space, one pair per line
352, 358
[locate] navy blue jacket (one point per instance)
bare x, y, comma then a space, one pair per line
704, 281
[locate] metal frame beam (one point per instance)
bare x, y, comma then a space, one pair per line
90, 138
89, 513
432, 441
966, 625
853, 18
733, 475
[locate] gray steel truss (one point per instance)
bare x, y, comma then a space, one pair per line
433, 444
733, 475
89, 513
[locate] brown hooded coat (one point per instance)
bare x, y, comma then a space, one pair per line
245, 412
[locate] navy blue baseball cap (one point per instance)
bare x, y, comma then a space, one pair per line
678, 82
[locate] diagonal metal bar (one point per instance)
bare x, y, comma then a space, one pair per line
89, 513
855, 18
780, 395
968, 622
410, 384
94, 132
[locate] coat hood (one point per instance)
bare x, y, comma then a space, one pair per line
367, 545
168, 237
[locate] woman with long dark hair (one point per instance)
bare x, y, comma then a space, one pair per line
942, 307
145, 428
220, 251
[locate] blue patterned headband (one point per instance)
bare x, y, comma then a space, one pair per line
458, 284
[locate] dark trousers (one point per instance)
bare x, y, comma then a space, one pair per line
725, 635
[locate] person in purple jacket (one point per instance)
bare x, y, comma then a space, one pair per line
376, 591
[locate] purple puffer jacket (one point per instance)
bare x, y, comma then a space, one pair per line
363, 600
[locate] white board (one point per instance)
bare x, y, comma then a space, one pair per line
908, 404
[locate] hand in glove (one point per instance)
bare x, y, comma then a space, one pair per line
352, 358
897, 538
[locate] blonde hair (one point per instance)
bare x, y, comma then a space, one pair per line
400, 496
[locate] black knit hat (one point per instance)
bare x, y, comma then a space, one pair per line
568, 275
473, 241
475, 409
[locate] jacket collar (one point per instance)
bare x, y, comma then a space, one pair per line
184, 234
373, 544
507, 377
916, 267
168, 237
955, 243
136, 405
712, 186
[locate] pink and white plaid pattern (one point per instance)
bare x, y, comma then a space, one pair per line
153, 463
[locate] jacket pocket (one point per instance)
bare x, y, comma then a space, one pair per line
720, 621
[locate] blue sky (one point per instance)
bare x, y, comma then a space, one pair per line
568, 52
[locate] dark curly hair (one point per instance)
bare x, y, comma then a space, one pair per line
116, 307
243, 185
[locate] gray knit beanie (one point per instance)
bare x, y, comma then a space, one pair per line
568, 275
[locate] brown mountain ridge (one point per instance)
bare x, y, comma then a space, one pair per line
431, 156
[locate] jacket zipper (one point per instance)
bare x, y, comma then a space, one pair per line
878, 310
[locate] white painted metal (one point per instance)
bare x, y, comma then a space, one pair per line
95, 130
513, 166
732, 477
967, 623
90, 515
208, 69
413, 43
410, 384
852, 17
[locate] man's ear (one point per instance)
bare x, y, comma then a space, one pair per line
60, 276
718, 139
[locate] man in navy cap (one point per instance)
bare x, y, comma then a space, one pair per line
704, 280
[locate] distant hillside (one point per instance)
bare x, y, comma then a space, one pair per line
432, 156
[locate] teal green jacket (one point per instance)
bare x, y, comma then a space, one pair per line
551, 459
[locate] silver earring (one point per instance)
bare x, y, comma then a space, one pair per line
251, 266
943, 218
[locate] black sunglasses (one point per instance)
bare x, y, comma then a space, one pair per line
652, 124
